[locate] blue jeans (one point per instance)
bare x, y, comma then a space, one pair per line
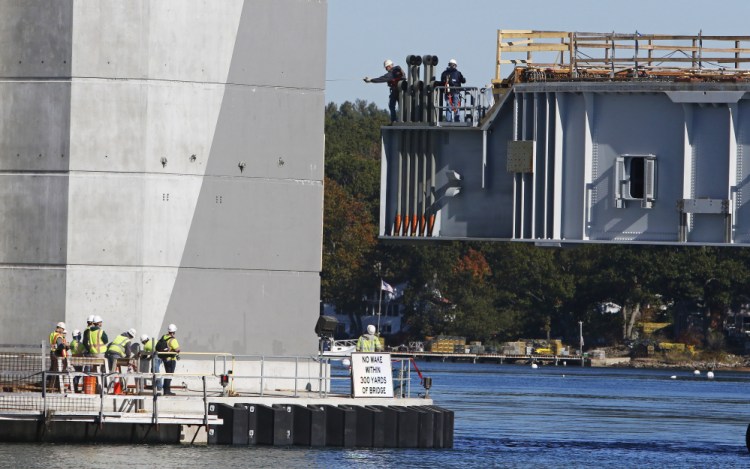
392, 101
157, 367
452, 101
169, 367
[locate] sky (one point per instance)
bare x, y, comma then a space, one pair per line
362, 34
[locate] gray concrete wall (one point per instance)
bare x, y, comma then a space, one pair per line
181, 167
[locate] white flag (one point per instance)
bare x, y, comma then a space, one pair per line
385, 287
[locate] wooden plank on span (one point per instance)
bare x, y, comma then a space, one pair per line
533, 34
537, 47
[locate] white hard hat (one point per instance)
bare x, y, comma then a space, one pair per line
61, 325
452, 62
76, 332
131, 332
144, 337
387, 63
172, 328
90, 318
370, 329
97, 319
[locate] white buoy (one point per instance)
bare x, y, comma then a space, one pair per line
710, 375
673, 377
534, 366
697, 372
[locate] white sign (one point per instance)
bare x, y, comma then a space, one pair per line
372, 375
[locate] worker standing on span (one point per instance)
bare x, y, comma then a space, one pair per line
169, 350
452, 79
369, 342
393, 76
119, 348
58, 352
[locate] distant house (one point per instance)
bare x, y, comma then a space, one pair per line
390, 320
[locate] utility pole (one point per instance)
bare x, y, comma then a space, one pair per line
380, 293
580, 340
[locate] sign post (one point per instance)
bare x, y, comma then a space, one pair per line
372, 375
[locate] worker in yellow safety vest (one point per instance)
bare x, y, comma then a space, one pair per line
58, 352
169, 349
95, 342
120, 348
77, 350
369, 342
146, 356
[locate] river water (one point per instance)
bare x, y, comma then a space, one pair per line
505, 416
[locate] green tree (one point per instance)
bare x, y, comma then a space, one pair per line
348, 239
533, 285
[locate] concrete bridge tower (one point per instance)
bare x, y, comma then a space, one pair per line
162, 162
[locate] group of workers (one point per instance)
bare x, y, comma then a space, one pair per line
93, 342
451, 80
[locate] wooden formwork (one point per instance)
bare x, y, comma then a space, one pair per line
565, 55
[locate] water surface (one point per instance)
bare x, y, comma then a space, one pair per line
506, 416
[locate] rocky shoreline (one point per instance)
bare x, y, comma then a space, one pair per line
728, 364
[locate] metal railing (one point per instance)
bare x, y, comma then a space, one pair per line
28, 385
468, 105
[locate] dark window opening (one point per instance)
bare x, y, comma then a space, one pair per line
637, 177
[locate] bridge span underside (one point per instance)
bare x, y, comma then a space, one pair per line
564, 162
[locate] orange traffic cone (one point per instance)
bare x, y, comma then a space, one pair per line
118, 387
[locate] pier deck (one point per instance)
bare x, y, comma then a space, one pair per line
493, 358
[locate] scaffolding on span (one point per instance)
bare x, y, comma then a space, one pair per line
584, 56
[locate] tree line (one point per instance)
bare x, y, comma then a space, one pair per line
495, 292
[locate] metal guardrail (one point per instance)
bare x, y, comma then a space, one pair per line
29, 385
469, 104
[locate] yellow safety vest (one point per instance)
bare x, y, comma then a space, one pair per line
53, 342
173, 346
96, 346
118, 345
149, 346
366, 345
76, 348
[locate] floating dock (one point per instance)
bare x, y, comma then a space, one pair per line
246, 420
312, 402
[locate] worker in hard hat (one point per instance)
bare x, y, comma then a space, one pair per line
393, 76
169, 349
120, 348
145, 353
95, 342
369, 342
77, 350
145, 356
76, 345
58, 354
86, 332
452, 79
